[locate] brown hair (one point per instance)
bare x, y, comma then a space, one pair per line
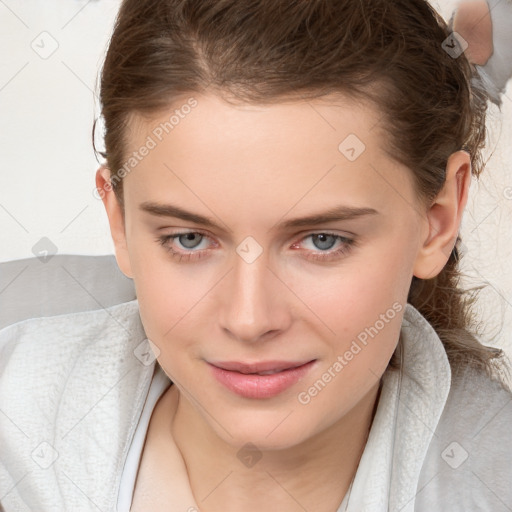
265, 51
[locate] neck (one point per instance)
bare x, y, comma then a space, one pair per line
314, 475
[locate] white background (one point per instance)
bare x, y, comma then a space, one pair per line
47, 162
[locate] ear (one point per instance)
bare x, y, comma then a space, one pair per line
115, 218
444, 217
472, 20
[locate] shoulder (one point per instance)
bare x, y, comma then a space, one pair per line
477, 406
71, 387
49, 339
467, 465
40, 354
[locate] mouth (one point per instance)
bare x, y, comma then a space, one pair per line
263, 379
261, 368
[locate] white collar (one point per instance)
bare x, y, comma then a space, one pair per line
411, 403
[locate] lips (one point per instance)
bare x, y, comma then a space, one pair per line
262, 368
264, 379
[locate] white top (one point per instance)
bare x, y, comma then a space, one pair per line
159, 384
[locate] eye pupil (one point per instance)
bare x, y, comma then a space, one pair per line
324, 241
190, 240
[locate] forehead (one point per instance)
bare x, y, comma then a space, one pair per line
323, 146
213, 115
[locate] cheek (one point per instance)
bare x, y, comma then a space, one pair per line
166, 307
353, 296
163, 292
363, 305
364, 308
166, 302
174, 305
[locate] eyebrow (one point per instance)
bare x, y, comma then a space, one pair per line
338, 213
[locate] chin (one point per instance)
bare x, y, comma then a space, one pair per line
278, 430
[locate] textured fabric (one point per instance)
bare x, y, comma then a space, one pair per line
73, 389
469, 462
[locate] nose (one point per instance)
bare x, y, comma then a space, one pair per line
254, 303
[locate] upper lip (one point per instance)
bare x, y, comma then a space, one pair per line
262, 366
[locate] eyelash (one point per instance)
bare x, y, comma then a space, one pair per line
343, 250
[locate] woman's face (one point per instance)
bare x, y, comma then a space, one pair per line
279, 236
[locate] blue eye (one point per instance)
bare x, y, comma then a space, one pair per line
323, 242
192, 247
189, 240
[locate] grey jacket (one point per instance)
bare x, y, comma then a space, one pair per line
72, 388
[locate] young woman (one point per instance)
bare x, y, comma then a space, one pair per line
284, 182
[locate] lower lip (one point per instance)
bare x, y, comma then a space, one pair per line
260, 386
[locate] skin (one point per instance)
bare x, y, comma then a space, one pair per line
250, 168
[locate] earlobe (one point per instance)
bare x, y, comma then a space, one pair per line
444, 217
115, 219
